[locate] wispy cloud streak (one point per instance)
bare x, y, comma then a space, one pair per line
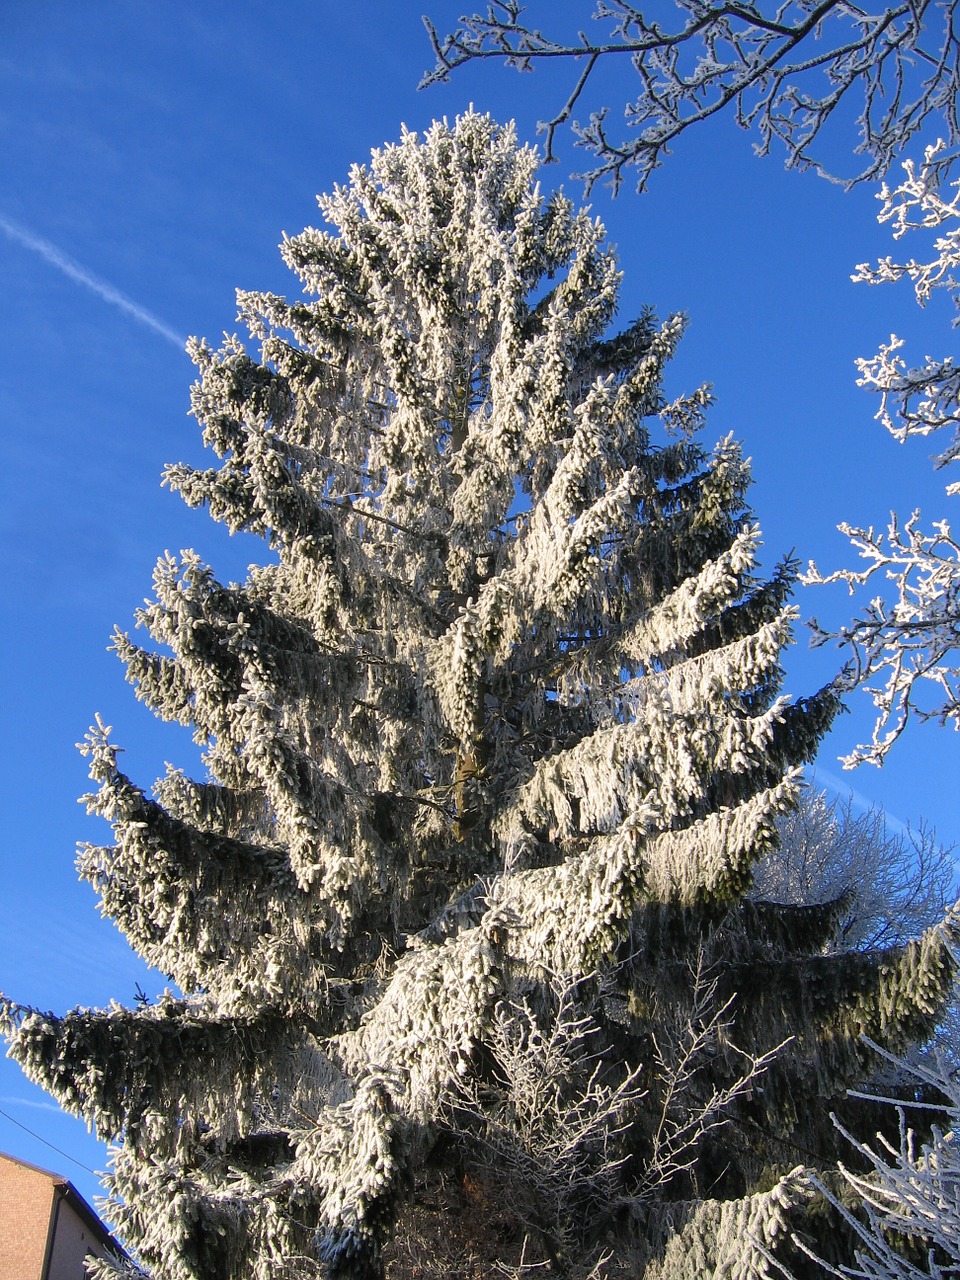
80, 275
842, 789
11, 1101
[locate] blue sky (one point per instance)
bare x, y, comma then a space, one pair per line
151, 156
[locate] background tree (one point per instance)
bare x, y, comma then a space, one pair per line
781, 70
494, 740
894, 885
889, 887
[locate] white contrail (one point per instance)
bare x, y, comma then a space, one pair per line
10, 1101
842, 788
50, 253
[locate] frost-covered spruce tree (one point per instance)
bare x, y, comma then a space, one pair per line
493, 744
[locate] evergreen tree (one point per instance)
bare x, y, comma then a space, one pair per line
494, 741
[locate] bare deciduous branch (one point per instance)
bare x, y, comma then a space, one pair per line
910, 1192
687, 1114
782, 72
548, 1125
910, 641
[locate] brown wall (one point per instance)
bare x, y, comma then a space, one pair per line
26, 1199
72, 1241
42, 1218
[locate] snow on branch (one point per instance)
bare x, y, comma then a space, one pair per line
782, 70
925, 399
903, 643
908, 1227
549, 1130
687, 1112
909, 644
